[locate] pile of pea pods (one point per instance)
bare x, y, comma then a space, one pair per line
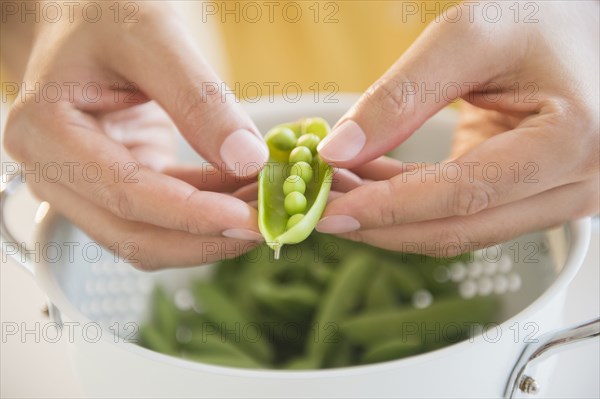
325, 303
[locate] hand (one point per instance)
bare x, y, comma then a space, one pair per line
526, 151
148, 74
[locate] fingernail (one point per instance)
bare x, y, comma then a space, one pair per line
242, 148
337, 224
242, 234
344, 143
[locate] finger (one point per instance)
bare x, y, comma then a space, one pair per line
503, 169
476, 125
144, 246
203, 108
382, 168
146, 131
454, 235
247, 193
105, 173
437, 69
208, 177
344, 181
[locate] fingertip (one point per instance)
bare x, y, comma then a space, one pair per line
244, 152
337, 224
243, 234
343, 144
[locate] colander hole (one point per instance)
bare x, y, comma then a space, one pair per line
468, 289
422, 299
514, 282
475, 269
485, 286
505, 264
490, 268
441, 274
458, 272
500, 284
184, 300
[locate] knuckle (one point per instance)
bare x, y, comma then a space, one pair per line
390, 96
115, 199
197, 101
451, 240
190, 223
389, 212
143, 260
471, 197
135, 247
356, 235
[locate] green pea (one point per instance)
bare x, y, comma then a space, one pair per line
294, 183
281, 138
303, 170
296, 127
309, 140
317, 126
293, 220
294, 203
301, 153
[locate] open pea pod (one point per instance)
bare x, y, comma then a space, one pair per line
294, 185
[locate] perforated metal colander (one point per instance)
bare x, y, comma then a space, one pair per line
529, 274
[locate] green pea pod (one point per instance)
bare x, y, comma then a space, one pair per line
343, 294
211, 342
404, 278
301, 363
455, 313
391, 350
278, 208
381, 293
191, 319
219, 309
342, 356
287, 300
166, 315
156, 340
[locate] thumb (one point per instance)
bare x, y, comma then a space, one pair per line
203, 108
438, 68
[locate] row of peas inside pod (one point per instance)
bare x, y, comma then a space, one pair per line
294, 185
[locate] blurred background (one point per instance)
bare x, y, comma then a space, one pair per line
313, 54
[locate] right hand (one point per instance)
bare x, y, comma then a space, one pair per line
166, 210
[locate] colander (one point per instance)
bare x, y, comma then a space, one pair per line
101, 301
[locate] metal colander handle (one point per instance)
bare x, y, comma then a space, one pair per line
547, 345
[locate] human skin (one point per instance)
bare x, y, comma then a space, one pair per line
151, 76
546, 148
